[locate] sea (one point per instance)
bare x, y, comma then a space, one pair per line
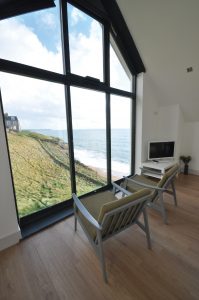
90, 148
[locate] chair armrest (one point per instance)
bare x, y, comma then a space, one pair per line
121, 189
86, 213
146, 185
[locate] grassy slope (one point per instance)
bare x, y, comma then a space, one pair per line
39, 180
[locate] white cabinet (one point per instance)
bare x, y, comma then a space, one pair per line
156, 169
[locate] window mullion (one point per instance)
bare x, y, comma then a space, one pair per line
64, 36
106, 69
66, 67
133, 125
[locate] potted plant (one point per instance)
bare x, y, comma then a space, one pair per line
186, 160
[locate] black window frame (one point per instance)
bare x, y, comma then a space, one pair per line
68, 79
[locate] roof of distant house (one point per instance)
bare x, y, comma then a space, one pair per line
11, 118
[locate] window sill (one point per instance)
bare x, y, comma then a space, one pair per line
36, 226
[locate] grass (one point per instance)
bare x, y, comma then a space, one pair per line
41, 173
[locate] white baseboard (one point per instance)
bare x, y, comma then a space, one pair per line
191, 171
10, 240
194, 172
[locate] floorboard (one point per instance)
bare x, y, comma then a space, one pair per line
58, 263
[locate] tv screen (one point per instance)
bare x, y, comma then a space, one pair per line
160, 150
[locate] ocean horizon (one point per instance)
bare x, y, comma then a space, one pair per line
90, 147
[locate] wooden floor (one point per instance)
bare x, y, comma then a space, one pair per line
59, 264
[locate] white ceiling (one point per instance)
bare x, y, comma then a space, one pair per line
166, 33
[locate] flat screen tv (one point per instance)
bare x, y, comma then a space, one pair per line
161, 150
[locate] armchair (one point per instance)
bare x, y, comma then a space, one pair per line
103, 215
137, 182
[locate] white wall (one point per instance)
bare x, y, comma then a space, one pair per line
9, 229
180, 132
150, 114
190, 145
166, 35
167, 122
170, 125
146, 118
168, 45
157, 122
154, 121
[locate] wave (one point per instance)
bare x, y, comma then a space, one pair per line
92, 159
90, 148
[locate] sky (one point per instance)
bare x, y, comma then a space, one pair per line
35, 39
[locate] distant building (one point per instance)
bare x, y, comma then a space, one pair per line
11, 122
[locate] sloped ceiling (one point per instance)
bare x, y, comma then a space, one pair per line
166, 34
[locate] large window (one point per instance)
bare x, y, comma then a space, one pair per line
33, 39
120, 136
35, 118
120, 76
85, 41
69, 131
89, 134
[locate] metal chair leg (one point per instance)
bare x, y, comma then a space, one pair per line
146, 223
101, 256
75, 218
163, 210
174, 193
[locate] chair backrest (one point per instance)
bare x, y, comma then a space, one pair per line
171, 173
168, 176
117, 215
166, 179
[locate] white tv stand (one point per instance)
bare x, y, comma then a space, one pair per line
157, 169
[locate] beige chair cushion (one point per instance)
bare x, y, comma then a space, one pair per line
133, 187
128, 215
93, 204
100, 204
109, 206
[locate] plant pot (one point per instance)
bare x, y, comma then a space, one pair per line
186, 169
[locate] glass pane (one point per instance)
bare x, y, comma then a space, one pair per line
33, 39
89, 133
120, 77
120, 136
85, 40
36, 130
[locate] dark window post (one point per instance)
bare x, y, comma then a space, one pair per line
66, 66
106, 69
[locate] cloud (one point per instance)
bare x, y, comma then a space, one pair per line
40, 104
88, 109
76, 16
48, 19
37, 103
120, 112
20, 44
118, 76
86, 58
